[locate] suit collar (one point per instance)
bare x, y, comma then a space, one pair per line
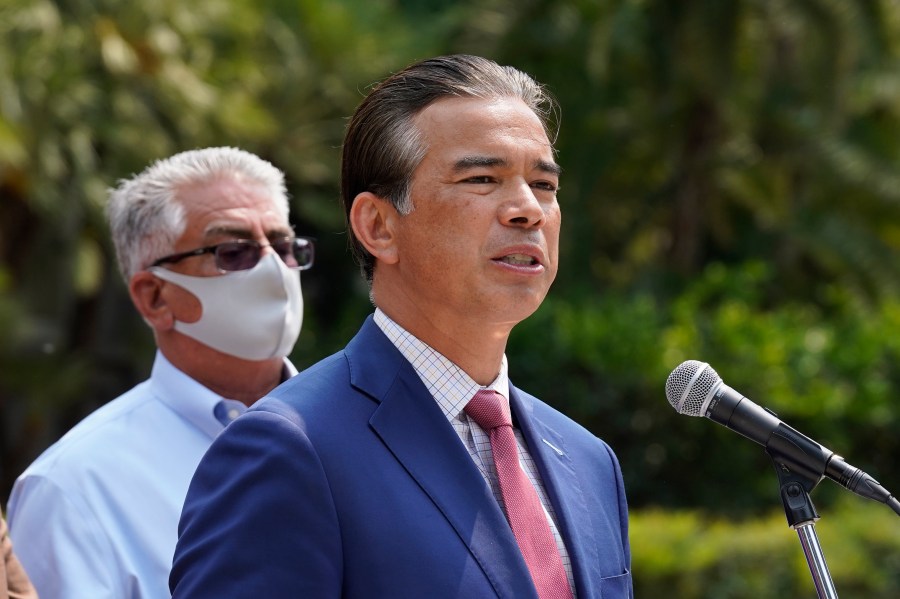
549, 450
416, 432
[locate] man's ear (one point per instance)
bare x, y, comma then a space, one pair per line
373, 220
146, 294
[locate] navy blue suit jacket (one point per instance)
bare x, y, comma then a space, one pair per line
348, 481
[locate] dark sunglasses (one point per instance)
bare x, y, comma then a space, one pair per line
243, 254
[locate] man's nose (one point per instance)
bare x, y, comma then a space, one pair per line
522, 208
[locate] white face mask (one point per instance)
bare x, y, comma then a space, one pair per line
253, 314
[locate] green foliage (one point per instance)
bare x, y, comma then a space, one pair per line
690, 555
828, 369
729, 194
91, 92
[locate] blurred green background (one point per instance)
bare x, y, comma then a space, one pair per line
731, 193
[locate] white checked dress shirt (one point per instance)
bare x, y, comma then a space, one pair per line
452, 389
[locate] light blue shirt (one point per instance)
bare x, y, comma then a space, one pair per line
96, 515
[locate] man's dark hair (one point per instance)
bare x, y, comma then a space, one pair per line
382, 146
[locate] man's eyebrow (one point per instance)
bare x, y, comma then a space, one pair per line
227, 231
548, 167
468, 162
244, 233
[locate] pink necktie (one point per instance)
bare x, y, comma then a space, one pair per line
523, 507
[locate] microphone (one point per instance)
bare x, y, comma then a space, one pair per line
695, 389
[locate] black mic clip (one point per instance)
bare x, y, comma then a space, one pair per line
800, 464
795, 484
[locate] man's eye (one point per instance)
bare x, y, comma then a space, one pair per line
545, 185
479, 180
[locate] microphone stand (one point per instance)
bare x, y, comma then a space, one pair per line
802, 516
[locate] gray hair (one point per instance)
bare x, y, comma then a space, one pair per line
146, 219
383, 147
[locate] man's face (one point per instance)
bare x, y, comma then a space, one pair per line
225, 209
481, 243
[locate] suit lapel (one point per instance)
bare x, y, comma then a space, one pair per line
413, 428
564, 489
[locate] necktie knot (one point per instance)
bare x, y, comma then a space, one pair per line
488, 410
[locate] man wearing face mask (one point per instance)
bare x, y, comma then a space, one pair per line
212, 265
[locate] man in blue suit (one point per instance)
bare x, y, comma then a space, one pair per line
370, 475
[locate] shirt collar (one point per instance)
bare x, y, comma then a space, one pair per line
450, 386
191, 400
